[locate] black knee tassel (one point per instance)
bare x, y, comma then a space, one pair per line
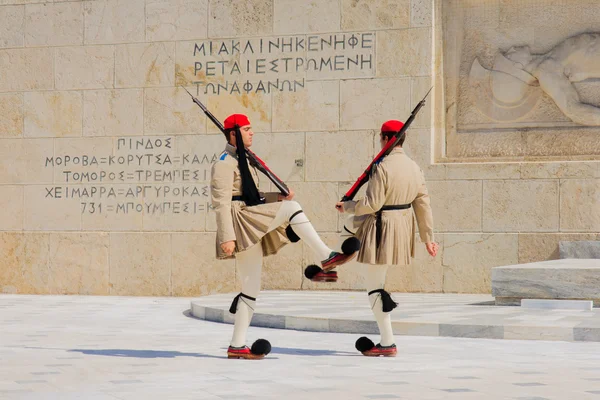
387, 303
234, 303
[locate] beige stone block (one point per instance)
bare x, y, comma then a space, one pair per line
24, 258
553, 170
338, 156
11, 115
292, 16
351, 276
26, 69
527, 205
375, 14
24, 160
425, 274
89, 67
172, 111
53, 114
211, 221
563, 144
283, 153
421, 12
419, 88
469, 258
176, 20
404, 53
368, 103
145, 65
9, 2
488, 171
175, 207
76, 155
482, 146
11, 207
284, 270
256, 106
59, 24
114, 21
12, 22
318, 200
122, 212
535, 247
49, 209
456, 205
196, 271
54, 263
418, 147
579, 205
315, 108
230, 18
113, 112
140, 264
78, 263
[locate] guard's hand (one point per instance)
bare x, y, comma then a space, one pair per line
228, 247
340, 206
289, 196
432, 248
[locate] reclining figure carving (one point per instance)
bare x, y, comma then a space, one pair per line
517, 71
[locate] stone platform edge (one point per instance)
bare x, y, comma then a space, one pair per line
472, 331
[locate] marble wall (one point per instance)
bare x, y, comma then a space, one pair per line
105, 160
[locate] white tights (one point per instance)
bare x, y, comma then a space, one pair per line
375, 279
249, 265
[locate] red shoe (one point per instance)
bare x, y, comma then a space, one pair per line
259, 350
323, 276
379, 350
243, 352
335, 259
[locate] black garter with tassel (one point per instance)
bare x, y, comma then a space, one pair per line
387, 303
236, 299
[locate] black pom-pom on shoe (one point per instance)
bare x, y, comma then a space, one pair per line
311, 271
350, 245
364, 344
261, 347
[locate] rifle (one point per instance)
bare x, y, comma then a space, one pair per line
387, 149
253, 158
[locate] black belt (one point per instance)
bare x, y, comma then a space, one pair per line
240, 198
378, 223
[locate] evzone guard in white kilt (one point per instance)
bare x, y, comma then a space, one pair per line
251, 225
383, 222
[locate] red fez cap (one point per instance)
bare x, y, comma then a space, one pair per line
235, 119
392, 126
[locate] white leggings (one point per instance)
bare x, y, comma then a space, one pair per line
375, 279
249, 264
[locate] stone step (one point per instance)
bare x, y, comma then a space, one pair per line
568, 279
583, 249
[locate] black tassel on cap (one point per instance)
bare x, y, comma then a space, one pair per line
250, 193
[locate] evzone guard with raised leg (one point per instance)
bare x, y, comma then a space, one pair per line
251, 225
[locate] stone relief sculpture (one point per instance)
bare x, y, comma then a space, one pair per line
511, 88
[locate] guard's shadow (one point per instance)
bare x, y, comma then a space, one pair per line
309, 352
128, 353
